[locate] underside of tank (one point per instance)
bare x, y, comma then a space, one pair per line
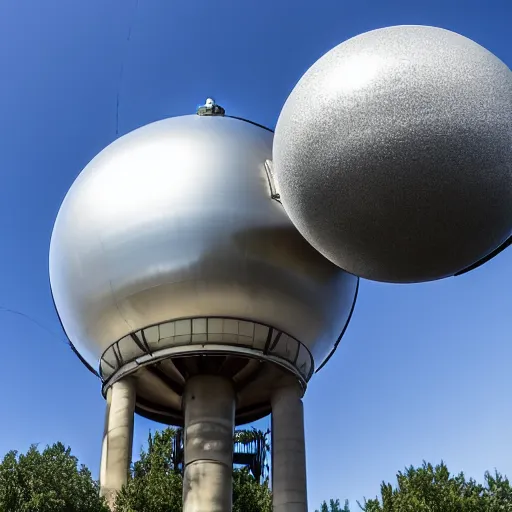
160, 386
162, 358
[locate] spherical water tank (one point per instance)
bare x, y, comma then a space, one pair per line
393, 154
169, 243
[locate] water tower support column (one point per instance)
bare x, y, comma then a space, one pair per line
209, 404
116, 453
288, 450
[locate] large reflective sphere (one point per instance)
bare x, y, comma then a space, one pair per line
172, 230
393, 154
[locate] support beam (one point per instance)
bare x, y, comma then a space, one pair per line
209, 406
288, 449
116, 453
103, 462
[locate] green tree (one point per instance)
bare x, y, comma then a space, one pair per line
433, 489
156, 483
334, 506
47, 481
497, 493
248, 494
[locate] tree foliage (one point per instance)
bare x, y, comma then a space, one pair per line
47, 481
248, 494
156, 485
334, 506
431, 488
52, 481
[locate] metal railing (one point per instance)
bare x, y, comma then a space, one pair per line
262, 340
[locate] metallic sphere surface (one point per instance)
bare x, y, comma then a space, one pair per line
393, 154
175, 221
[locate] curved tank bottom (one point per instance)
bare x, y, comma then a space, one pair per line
163, 357
196, 335
175, 220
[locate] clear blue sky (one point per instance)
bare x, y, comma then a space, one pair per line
424, 371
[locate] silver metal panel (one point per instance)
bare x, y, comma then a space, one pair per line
175, 220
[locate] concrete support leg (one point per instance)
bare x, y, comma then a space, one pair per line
209, 404
116, 453
103, 462
288, 450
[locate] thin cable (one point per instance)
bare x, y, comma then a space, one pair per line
3, 309
123, 58
65, 341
